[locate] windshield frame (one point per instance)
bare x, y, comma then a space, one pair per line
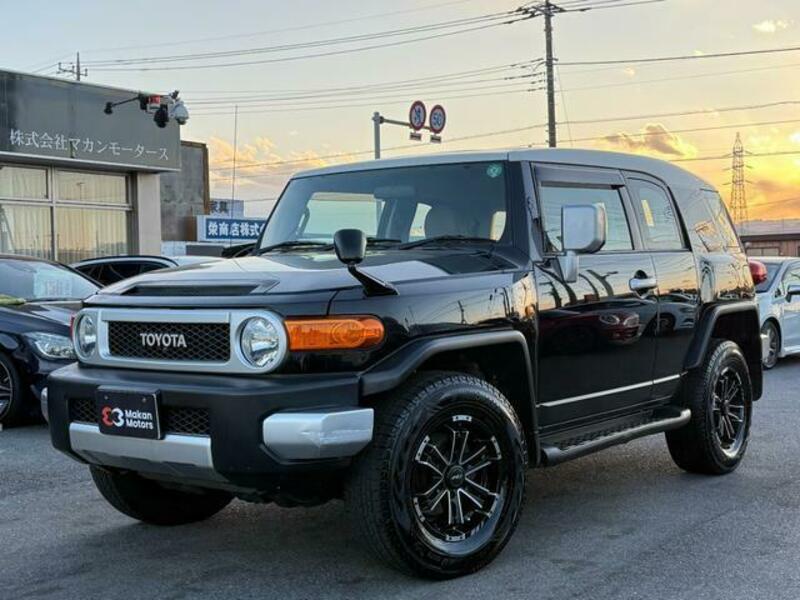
514, 233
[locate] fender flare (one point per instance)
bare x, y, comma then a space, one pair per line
394, 369
705, 328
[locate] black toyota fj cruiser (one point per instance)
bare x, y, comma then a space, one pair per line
411, 335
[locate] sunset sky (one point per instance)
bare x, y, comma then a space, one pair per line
289, 111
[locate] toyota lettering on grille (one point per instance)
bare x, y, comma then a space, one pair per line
162, 340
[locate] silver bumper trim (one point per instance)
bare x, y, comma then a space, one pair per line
314, 435
182, 455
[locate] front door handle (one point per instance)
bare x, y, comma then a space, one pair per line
643, 284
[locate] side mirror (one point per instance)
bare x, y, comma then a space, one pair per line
350, 246
583, 231
758, 271
792, 291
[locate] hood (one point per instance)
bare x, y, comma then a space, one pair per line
53, 313
300, 272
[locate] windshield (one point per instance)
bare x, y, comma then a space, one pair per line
34, 280
772, 270
397, 205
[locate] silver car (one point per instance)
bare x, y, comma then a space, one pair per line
779, 307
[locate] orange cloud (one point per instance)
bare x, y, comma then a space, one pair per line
261, 170
654, 138
769, 26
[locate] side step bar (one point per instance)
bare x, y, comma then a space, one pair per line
568, 449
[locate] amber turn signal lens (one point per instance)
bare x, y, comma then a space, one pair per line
336, 333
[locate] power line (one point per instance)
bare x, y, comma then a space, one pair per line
303, 45
336, 102
659, 59
239, 36
480, 27
749, 155
451, 86
679, 77
384, 84
357, 105
543, 125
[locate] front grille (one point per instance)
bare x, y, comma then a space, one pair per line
203, 342
185, 420
82, 411
181, 420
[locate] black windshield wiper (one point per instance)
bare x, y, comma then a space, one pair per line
294, 244
444, 239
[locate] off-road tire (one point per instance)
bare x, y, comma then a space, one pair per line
150, 502
378, 493
15, 411
695, 447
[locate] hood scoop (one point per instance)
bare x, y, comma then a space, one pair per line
199, 288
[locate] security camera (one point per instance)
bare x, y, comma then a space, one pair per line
161, 116
179, 112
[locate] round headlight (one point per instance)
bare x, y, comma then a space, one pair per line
262, 343
85, 336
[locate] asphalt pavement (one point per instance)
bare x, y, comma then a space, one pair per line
625, 523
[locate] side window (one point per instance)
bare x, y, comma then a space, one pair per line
657, 218
146, 267
701, 225
719, 214
117, 271
792, 277
553, 198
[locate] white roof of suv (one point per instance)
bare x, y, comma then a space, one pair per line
668, 172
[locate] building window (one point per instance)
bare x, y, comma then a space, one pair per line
63, 215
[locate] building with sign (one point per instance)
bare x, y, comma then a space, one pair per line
76, 182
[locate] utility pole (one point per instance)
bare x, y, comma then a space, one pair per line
235, 148
552, 137
738, 192
548, 10
377, 120
74, 69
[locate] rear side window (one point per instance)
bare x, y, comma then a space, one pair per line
656, 215
719, 214
554, 198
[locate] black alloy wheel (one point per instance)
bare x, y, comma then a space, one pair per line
11, 400
6, 391
729, 412
458, 483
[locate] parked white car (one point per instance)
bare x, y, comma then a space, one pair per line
779, 307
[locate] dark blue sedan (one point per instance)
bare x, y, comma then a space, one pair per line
37, 301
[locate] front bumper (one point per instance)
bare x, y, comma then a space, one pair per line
261, 430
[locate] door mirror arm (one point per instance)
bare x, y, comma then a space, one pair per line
351, 248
